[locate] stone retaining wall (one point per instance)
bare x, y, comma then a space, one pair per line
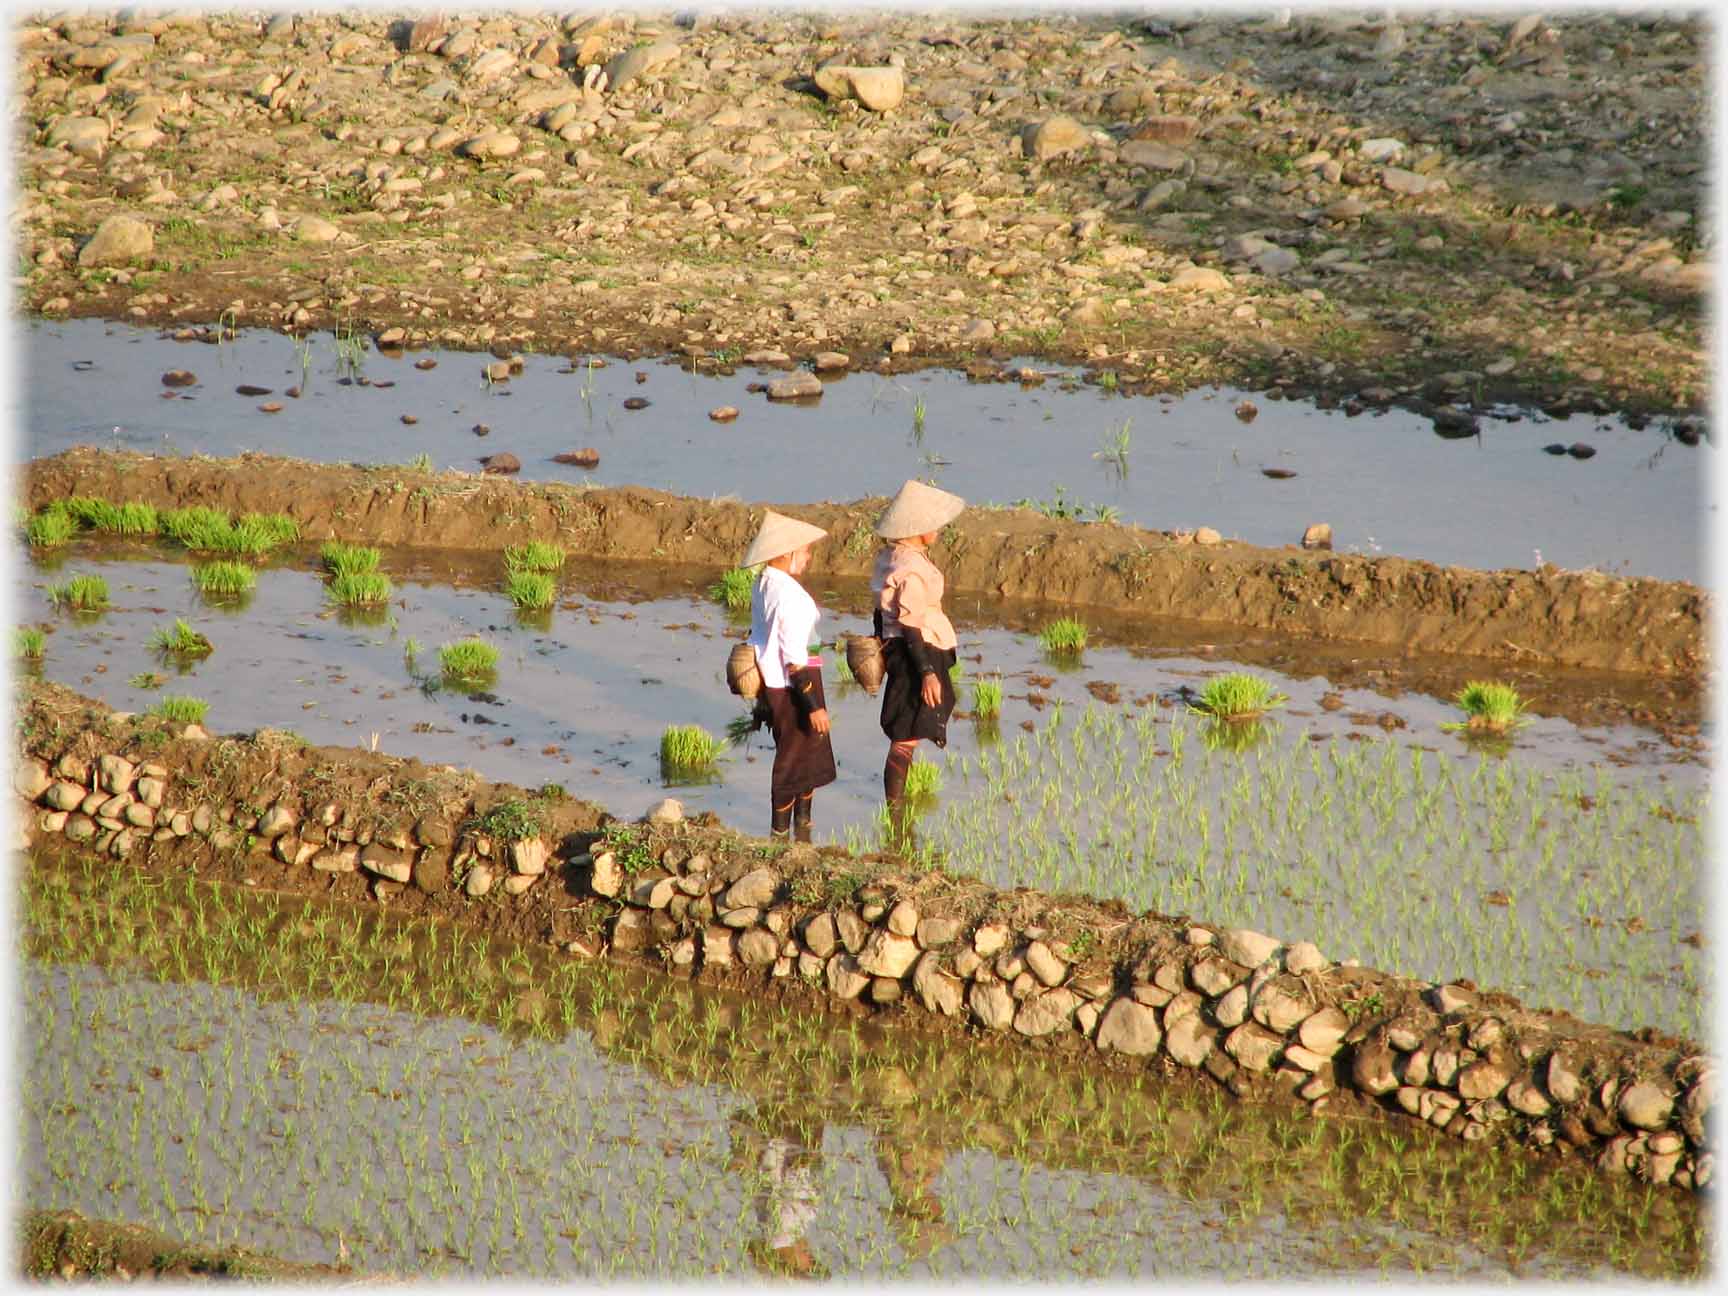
1268, 1019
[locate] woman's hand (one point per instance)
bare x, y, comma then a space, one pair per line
819, 720
932, 690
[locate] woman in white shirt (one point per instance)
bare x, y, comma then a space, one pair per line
782, 627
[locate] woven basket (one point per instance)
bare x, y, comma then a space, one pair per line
864, 660
743, 676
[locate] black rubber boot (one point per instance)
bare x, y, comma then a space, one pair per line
801, 810
780, 825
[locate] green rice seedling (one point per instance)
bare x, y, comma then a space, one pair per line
81, 594
341, 558
734, 588
28, 642
535, 555
923, 780
134, 519
468, 661
688, 750
956, 673
224, 579
196, 527
1113, 449
532, 590
1237, 697
987, 697
1489, 708
1063, 637
51, 527
360, 589
918, 412
739, 728
180, 640
411, 651
181, 710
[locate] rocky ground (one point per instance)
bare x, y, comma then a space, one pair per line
1437, 205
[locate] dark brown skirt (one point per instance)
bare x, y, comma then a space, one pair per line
904, 715
803, 758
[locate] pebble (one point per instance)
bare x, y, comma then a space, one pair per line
802, 385
501, 463
723, 413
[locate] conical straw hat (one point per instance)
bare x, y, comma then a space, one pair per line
917, 509
779, 535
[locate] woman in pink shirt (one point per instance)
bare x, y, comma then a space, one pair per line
782, 627
918, 641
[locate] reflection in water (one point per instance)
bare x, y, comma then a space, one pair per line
301, 1077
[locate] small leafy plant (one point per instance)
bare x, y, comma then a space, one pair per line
360, 588
224, 579
28, 642
534, 556
531, 589
923, 780
341, 559
181, 710
1489, 708
1237, 697
734, 588
1063, 637
986, 698
81, 594
688, 750
517, 819
470, 661
180, 640
52, 527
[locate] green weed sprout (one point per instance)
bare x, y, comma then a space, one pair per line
531, 589
181, 640
1489, 708
360, 589
340, 558
181, 710
28, 642
52, 527
535, 556
1063, 637
923, 780
688, 749
81, 594
224, 579
734, 588
470, 661
1237, 697
986, 698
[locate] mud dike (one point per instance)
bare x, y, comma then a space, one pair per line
1271, 1020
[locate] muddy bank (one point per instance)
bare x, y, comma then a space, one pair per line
65, 1245
864, 935
1438, 205
1547, 617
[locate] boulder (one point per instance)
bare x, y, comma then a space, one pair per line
820, 936
992, 1004
1189, 1040
802, 385
1053, 137
1645, 1106
1253, 1046
878, 88
845, 978
888, 955
756, 889
1129, 1027
633, 64
1046, 1013
939, 991
933, 933
315, 229
31, 778
758, 948
1484, 1079
903, 919
1044, 964
1371, 1069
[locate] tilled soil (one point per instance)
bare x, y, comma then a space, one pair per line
1548, 617
64, 1244
1428, 207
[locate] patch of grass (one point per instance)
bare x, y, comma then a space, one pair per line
535, 556
357, 589
1489, 708
732, 591
51, 527
509, 821
28, 642
342, 559
224, 579
923, 780
147, 680
688, 749
81, 594
986, 698
468, 661
1063, 637
531, 589
181, 710
180, 640
1237, 697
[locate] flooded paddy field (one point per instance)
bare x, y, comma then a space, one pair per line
328, 1084
1482, 495
1564, 866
